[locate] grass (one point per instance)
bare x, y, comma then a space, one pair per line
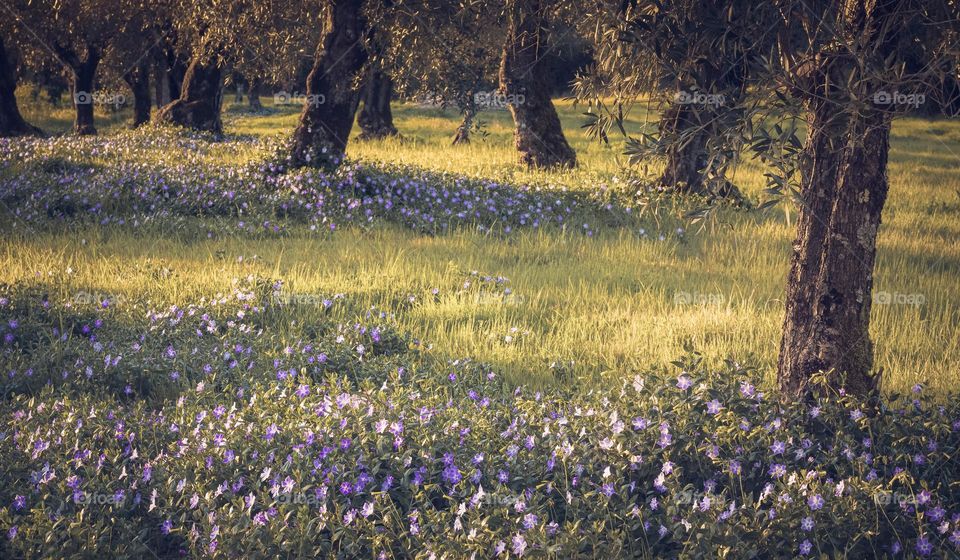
601, 306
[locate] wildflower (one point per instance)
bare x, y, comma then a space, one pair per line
713, 407
805, 547
684, 382
519, 544
815, 502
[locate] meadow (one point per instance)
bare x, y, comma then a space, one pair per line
432, 353
604, 295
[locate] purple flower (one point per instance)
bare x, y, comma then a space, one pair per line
684, 382
19, 502
805, 547
530, 521
271, 432
924, 547
815, 502
714, 406
519, 544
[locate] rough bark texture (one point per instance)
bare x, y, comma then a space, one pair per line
375, 118
327, 118
198, 106
11, 121
83, 75
538, 135
462, 136
161, 84
139, 81
253, 96
686, 161
828, 300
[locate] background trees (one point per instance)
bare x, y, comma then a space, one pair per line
846, 69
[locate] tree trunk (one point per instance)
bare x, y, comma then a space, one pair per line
84, 74
843, 190
11, 121
327, 118
139, 81
176, 71
687, 156
462, 136
161, 84
253, 96
538, 134
198, 106
376, 119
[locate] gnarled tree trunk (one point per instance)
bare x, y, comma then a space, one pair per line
538, 134
253, 96
84, 72
375, 118
11, 121
327, 118
844, 187
198, 106
686, 160
469, 111
138, 79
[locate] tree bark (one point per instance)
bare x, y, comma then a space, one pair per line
538, 134
321, 136
843, 189
686, 159
198, 106
253, 96
462, 136
11, 121
375, 118
138, 79
84, 75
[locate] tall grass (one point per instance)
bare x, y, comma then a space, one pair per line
595, 307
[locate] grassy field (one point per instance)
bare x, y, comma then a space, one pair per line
598, 306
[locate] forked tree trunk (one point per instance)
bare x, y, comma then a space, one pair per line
84, 72
844, 187
538, 134
253, 96
198, 106
375, 118
139, 81
321, 136
11, 121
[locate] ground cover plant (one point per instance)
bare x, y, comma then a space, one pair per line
177, 382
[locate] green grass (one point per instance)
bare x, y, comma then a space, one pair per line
610, 303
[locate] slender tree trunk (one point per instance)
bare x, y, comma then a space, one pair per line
462, 136
139, 81
327, 118
198, 106
253, 96
375, 118
11, 122
538, 134
844, 187
84, 75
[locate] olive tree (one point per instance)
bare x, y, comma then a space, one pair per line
846, 69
